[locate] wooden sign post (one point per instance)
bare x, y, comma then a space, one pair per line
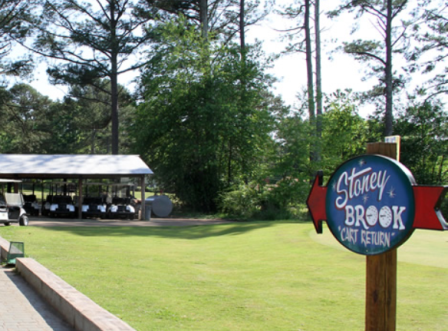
372, 205
381, 271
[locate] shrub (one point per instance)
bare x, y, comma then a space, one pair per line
241, 201
282, 200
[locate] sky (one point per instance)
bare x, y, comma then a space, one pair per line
339, 73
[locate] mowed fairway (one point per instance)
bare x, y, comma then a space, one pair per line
241, 276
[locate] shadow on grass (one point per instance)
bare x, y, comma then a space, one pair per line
180, 232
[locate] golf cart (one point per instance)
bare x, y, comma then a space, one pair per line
122, 202
46, 205
62, 205
11, 206
32, 205
93, 207
59, 203
94, 202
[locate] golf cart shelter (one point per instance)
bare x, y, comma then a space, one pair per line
75, 167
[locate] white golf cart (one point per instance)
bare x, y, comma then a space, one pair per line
12, 206
59, 203
122, 205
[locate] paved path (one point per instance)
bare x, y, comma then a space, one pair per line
21, 309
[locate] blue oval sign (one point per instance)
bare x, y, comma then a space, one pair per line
370, 204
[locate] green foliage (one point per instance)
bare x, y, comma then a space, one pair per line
345, 133
243, 200
222, 16
203, 123
283, 199
429, 54
91, 45
32, 123
24, 125
424, 150
282, 185
380, 53
65, 137
15, 16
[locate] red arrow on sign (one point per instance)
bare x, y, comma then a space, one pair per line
316, 202
427, 200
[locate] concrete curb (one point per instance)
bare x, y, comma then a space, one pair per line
4, 247
76, 308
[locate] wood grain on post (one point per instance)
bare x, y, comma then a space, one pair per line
381, 272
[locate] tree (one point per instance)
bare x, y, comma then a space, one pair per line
223, 18
93, 114
345, 133
24, 115
379, 52
96, 40
14, 17
303, 40
190, 128
94, 118
430, 31
424, 132
65, 137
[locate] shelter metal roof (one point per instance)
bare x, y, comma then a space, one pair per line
71, 165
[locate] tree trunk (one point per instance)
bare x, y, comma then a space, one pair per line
388, 73
114, 81
203, 16
92, 147
242, 32
243, 51
309, 69
114, 97
319, 107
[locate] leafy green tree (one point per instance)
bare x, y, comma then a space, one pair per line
80, 123
95, 40
93, 114
65, 137
192, 128
378, 53
291, 162
24, 117
345, 132
424, 147
344, 135
94, 117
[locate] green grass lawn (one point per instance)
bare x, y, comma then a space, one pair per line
243, 276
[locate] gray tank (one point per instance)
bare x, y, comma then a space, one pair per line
161, 205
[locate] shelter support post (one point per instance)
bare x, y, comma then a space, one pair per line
79, 198
42, 195
381, 272
142, 204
